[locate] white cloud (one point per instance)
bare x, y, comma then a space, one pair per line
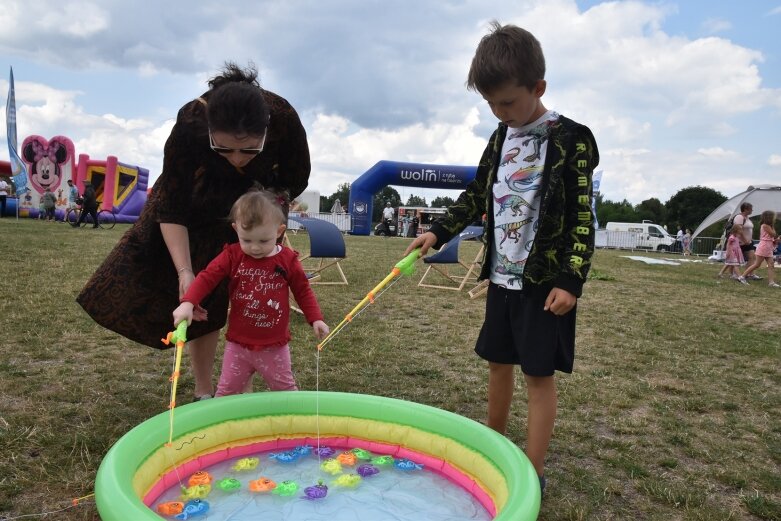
774, 11
716, 25
717, 153
774, 160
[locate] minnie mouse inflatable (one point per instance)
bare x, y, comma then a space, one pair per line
46, 159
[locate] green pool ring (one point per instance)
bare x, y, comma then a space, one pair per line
517, 480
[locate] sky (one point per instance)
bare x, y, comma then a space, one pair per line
677, 93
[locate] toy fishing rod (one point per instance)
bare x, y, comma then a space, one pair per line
179, 338
405, 266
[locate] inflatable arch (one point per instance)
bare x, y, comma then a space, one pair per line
386, 173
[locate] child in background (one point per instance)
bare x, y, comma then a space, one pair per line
49, 204
542, 162
768, 239
261, 275
687, 242
734, 255
41, 209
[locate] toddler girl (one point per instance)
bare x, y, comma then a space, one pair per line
734, 255
768, 238
261, 276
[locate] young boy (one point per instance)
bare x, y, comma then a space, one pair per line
534, 185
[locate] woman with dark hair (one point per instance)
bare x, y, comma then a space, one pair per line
234, 136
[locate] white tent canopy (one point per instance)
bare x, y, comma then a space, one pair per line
761, 197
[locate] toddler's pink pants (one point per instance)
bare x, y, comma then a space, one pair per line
239, 364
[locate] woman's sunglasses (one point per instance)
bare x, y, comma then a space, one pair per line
226, 150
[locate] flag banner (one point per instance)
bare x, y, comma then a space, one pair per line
18, 169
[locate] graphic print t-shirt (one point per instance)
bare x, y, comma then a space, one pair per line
517, 199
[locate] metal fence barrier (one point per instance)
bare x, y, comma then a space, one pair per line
343, 221
702, 246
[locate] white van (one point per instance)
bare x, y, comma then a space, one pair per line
645, 235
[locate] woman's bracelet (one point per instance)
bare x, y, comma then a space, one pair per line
184, 269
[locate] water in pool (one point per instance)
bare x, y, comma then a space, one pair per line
311, 488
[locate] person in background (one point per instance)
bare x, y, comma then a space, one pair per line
261, 276
747, 244
73, 194
686, 242
768, 239
4, 187
232, 137
413, 226
538, 261
734, 255
49, 203
89, 206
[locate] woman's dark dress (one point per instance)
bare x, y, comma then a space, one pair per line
136, 289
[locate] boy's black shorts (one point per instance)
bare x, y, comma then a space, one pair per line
518, 331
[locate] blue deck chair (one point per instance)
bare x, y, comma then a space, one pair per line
446, 262
326, 244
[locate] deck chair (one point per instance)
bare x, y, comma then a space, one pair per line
326, 245
447, 264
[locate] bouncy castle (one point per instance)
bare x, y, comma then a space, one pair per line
120, 187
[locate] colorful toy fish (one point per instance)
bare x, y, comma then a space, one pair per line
318, 491
196, 492
285, 457
348, 480
262, 485
325, 452
331, 466
229, 484
200, 478
361, 454
194, 507
246, 464
405, 464
367, 470
170, 508
303, 450
286, 488
383, 460
347, 458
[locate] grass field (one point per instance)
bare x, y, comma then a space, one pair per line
673, 411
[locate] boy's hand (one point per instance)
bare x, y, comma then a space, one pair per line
183, 312
321, 329
560, 301
423, 241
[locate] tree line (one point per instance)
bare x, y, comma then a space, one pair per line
687, 208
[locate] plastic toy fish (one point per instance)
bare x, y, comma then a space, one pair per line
367, 470
405, 464
383, 460
325, 452
318, 491
303, 450
196, 492
285, 457
361, 454
194, 507
331, 466
170, 508
286, 488
229, 484
262, 485
347, 458
348, 480
200, 478
246, 464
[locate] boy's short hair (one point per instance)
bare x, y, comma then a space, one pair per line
507, 53
258, 207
